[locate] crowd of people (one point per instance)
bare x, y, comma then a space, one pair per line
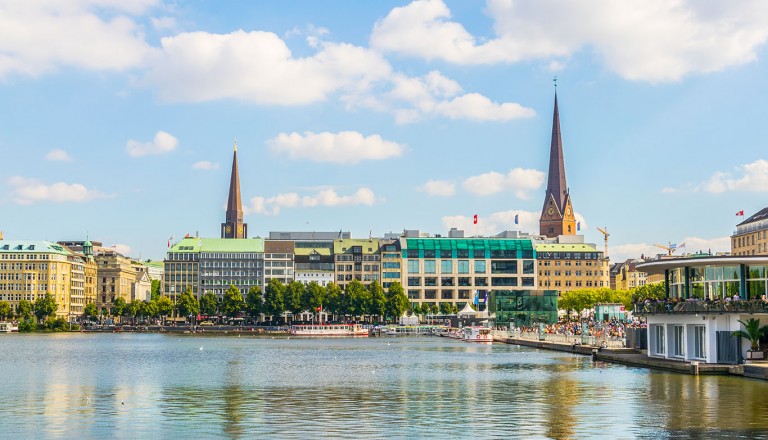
614, 328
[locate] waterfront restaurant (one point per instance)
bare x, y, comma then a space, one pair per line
705, 299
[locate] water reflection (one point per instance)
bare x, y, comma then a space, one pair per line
156, 386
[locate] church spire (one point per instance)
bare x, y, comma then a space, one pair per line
557, 216
234, 226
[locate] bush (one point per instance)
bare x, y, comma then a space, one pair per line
27, 326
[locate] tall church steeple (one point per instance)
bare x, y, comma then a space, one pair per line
234, 226
557, 216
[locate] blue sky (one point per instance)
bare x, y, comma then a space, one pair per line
119, 117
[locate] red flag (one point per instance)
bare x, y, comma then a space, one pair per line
475, 218
740, 213
319, 308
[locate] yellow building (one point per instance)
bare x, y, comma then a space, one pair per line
30, 269
571, 266
114, 279
356, 259
751, 236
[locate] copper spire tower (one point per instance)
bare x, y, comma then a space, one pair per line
557, 214
234, 226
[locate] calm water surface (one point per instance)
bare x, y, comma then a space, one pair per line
159, 386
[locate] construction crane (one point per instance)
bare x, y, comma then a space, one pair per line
670, 249
605, 232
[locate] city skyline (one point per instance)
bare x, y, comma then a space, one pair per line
378, 118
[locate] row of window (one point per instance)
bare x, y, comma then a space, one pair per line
578, 273
569, 283
32, 257
468, 281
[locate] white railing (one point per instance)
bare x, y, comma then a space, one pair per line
593, 341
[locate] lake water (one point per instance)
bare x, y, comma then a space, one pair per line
147, 386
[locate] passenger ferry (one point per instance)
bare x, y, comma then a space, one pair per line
7, 327
477, 334
328, 330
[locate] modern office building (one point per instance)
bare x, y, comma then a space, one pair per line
706, 298
458, 270
751, 235
278, 261
391, 262
212, 265
313, 255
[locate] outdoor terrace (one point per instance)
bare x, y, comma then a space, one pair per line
698, 306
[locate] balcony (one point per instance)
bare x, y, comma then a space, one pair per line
701, 307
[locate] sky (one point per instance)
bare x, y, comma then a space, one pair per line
119, 117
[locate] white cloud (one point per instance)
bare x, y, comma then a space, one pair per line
624, 252
162, 143
492, 224
205, 165
325, 197
649, 40
26, 191
58, 155
123, 249
40, 36
520, 181
163, 23
258, 67
751, 177
442, 188
346, 147
477, 107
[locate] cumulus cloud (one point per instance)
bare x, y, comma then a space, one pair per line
325, 197
58, 155
346, 147
257, 67
162, 143
649, 40
520, 181
494, 223
751, 177
163, 23
623, 252
25, 191
41, 36
442, 188
205, 165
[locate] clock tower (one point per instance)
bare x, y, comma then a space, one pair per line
557, 216
234, 226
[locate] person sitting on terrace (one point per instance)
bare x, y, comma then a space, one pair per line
765, 298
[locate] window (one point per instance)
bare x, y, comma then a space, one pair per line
463, 266
429, 266
445, 253
528, 267
479, 266
413, 266
659, 339
414, 281
413, 294
446, 281
430, 294
699, 342
678, 333
430, 281
446, 294
504, 267
446, 266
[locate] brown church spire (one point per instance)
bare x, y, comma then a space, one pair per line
234, 226
557, 216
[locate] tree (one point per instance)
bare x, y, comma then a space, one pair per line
157, 289
357, 298
314, 297
45, 306
254, 303
378, 301
187, 304
274, 298
133, 309
397, 301
164, 306
118, 306
232, 303
653, 292
333, 299
25, 309
294, 292
752, 332
208, 304
149, 308
5, 309
417, 309
90, 310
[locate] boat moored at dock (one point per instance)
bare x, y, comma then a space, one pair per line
328, 330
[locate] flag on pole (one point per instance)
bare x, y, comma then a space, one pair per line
170, 241
475, 218
578, 226
477, 298
740, 213
673, 246
682, 245
517, 219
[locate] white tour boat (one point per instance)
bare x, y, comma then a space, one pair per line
477, 334
7, 327
328, 330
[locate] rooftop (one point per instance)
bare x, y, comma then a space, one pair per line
32, 246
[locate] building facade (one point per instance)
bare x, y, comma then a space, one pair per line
30, 269
705, 299
571, 266
356, 259
464, 270
751, 235
115, 277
